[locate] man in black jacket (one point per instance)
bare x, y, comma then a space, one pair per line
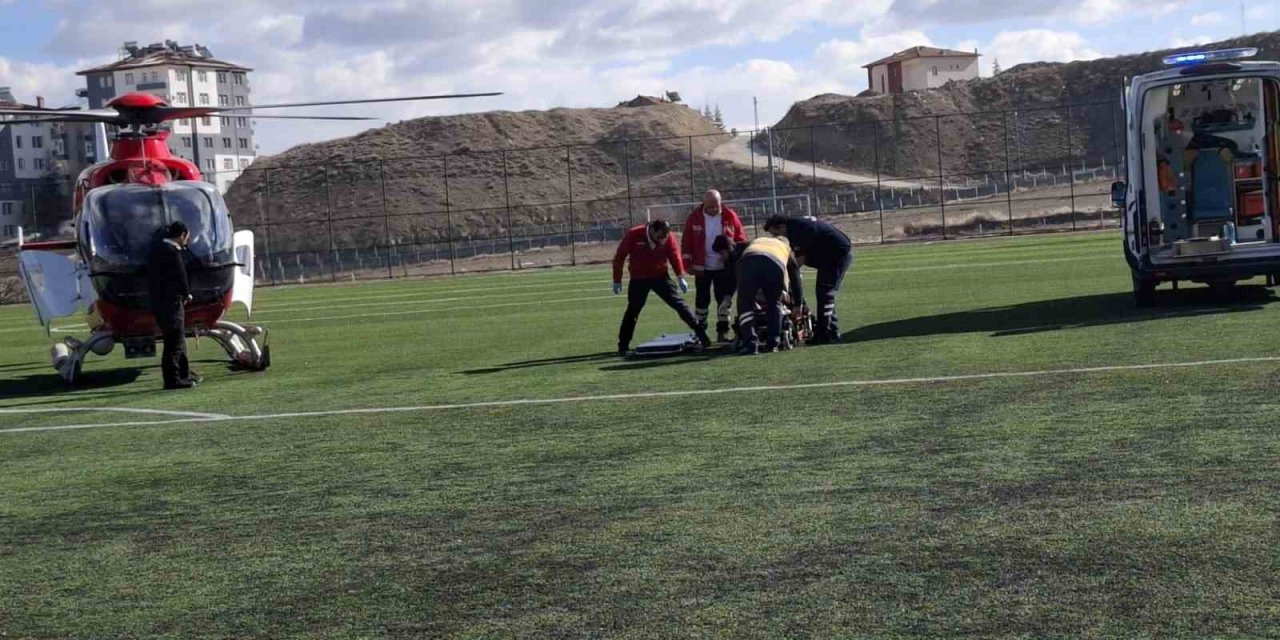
827, 249
170, 292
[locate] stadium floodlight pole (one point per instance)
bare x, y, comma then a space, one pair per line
773, 184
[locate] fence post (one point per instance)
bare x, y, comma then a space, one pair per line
328, 207
267, 226
626, 158
1117, 149
573, 243
386, 216
506, 191
751, 147
1008, 184
692, 189
942, 187
813, 172
875, 136
448, 219
1071, 177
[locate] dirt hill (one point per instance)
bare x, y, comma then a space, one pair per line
415, 162
909, 137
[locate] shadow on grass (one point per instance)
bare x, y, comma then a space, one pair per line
1068, 313
545, 362
657, 362
53, 390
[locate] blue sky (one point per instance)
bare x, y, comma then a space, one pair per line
582, 53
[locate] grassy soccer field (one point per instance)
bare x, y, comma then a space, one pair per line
1003, 446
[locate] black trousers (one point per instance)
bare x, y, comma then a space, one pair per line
829, 280
723, 282
759, 275
638, 294
173, 361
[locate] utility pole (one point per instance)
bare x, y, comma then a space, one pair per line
195, 130
773, 184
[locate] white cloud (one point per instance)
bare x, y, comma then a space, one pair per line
1034, 45
1211, 19
1180, 42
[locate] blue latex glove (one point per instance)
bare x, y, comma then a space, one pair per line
684, 286
617, 288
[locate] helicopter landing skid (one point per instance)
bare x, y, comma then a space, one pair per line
239, 341
241, 344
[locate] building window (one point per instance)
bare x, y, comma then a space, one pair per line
181, 75
226, 142
38, 164
186, 141
239, 101
128, 78
244, 143
6, 208
209, 165
10, 230
244, 163
208, 142
243, 122
37, 142
204, 98
239, 78
182, 98
228, 163
22, 163
225, 121
17, 141
111, 82
935, 71
222, 77
184, 123
223, 100
90, 149
202, 76
206, 121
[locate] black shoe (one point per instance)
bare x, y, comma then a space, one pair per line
750, 349
195, 377
180, 384
703, 338
722, 332
623, 350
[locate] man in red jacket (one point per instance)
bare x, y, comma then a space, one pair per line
710, 271
650, 247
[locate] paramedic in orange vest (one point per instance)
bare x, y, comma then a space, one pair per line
650, 247
709, 221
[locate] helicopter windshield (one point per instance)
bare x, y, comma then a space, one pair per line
122, 221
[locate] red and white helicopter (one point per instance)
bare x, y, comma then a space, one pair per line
120, 205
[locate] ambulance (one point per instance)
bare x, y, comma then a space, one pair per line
1201, 201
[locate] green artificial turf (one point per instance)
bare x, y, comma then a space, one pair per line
1122, 502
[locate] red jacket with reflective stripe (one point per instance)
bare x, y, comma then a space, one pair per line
693, 240
647, 260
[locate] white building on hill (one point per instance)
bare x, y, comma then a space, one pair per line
921, 68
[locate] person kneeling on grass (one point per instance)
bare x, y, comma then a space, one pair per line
767, 272
650, 247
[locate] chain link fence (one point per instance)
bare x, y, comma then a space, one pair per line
933, 177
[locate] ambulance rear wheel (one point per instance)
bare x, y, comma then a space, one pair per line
1144, 291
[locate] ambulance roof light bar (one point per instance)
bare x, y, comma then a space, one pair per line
1201, 57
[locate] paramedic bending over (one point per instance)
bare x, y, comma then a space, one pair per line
650, 247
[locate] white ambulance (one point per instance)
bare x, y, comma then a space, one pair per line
1202, 199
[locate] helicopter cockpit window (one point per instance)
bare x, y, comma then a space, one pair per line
123, 222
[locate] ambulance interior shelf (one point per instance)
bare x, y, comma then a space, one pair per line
1209, 186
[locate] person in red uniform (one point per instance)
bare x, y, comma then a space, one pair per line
650, 247
709, 221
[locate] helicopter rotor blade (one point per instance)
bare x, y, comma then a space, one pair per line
370, 101
255, 116
94, 114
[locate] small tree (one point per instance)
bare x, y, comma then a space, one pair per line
718, 118
995, 66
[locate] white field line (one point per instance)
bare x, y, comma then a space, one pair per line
284, 308
156, 412
664, 394
425, 298
454, 308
